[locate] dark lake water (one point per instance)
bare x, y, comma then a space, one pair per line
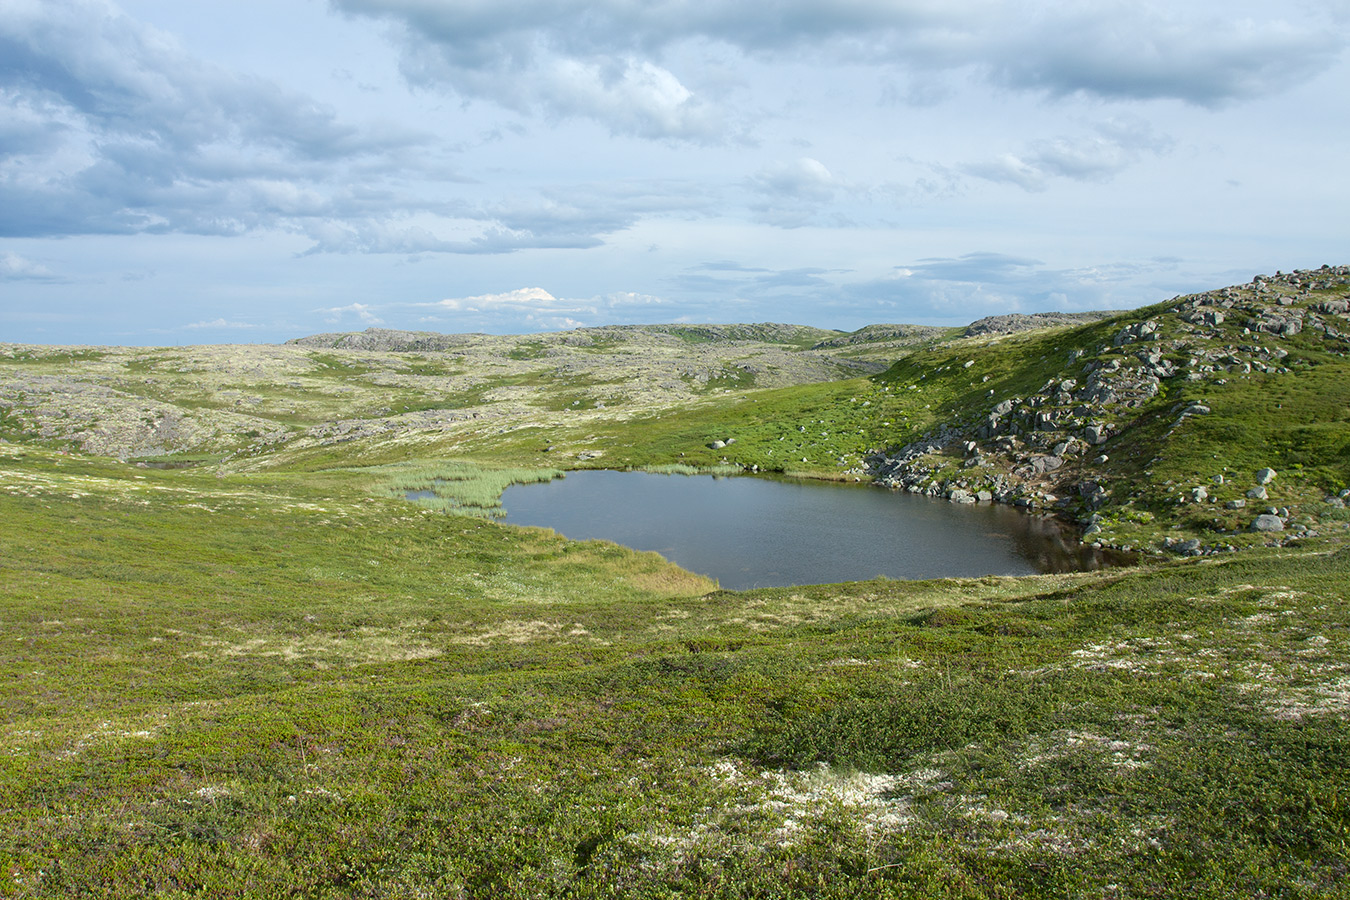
759, 532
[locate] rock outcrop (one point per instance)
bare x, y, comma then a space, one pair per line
1015, 322
1042, 449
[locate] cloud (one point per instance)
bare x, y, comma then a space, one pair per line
14, 267
545, 59
520, 298
805, 192
536, 308
936, 290
1139, 51
110, 127
220, 324
522, 309
574, 217
1115, 146
802, 179
362, 311
726, 265
981, 266
536, 299
791, 194
618, 63
756, 284
958, 290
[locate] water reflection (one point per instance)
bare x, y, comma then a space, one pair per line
759, 532
1053, 546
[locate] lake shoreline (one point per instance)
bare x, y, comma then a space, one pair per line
768, 529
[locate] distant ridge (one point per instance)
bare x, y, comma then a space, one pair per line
391, 340
396, 341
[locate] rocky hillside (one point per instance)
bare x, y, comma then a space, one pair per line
1015, 322
1220, 415
871, 338
385, 340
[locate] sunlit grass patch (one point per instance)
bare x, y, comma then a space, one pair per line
667, 581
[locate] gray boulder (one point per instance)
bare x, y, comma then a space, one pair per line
1258, 493
1265, 476
1095, 434
1043, 464
1339, 307
1268, 522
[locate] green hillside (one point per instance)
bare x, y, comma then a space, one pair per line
240, 664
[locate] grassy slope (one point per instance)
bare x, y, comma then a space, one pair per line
286, 683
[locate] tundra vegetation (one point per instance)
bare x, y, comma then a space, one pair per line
241, 663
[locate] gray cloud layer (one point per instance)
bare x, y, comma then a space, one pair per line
112, 128
617, 62
108, 126
1111, 148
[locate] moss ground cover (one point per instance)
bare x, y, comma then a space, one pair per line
283, 685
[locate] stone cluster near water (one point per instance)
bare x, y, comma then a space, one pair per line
1051, 449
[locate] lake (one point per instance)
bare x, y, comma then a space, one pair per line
749, 532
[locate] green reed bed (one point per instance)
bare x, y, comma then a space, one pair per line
457, 486
682, 469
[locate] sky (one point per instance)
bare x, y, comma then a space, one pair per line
242, 171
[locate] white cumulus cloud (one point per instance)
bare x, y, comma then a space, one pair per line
219, 323
362, 311
521, 298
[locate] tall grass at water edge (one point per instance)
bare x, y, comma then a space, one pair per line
459, 486
682, 469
